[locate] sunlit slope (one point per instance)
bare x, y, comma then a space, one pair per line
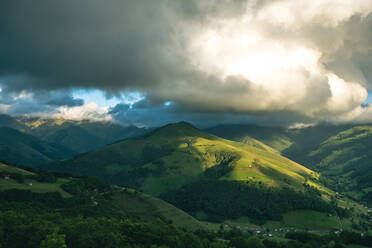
178, 154
275, 138
294, 143
346, 158
342, 149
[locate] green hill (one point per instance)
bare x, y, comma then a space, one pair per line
276, 138
341, 153
21, 148
116, 201
85, 212
345, 159
178, 154
293, 143
183, 164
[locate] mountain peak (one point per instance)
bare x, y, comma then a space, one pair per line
179, 129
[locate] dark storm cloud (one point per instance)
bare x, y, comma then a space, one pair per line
148, 46
111, 45
61, 44
145, 113
63, 100
39, 102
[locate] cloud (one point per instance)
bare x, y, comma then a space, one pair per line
37, 103
146, 113
212, 59
64, 100
87, 111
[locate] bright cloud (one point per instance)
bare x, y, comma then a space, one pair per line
87, 111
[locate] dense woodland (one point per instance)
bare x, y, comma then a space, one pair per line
30, 228
48, 220
231, 199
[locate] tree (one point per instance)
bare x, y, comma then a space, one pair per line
255, 242
54, 240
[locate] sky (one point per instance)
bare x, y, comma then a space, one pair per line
148, 63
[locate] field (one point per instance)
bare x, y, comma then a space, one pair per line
32, 185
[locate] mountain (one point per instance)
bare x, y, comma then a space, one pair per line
21, 148
185, 165
345, 158
8, 121
79, 136
176, 154
293, 143
277, 138
85, 212
57, 210
76, 139
341, 153
33, 140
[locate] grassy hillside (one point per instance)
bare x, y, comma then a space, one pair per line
293, 143
121, 201
178, 154
85, 212
10, 179
276, 138
340, 153
21, 148
308, 139
341, 149
183, 164
345, 159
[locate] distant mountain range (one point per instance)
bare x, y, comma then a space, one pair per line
34, 141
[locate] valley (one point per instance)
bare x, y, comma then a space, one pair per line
199, 181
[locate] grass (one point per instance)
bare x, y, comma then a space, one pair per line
178, 154
149, 208
307, 219
304, 220
36, 187
13, 169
